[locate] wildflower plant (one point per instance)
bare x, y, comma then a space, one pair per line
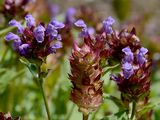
34, 43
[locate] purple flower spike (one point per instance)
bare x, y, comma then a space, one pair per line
30, 20
128, 54
109, 21
18, 25
23, 49
56, 24
127, 70
141, 56
107, 25
39, 33
11, 36
80, 23
70, 15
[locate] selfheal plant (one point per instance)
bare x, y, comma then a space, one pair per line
34, 43
134, 79
86, 71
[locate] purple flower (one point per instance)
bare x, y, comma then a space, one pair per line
141, 56
56, 24
54, 47
23, 49
30, 20
128, 54
107, 25
70, 15
91, 30
18, 25
80, 23
54, 9
127, 69
39, 33
51, 30
11, 36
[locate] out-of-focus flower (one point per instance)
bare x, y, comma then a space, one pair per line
15, 9
70, 16
35, 41
133, 81
8, 117
107, 25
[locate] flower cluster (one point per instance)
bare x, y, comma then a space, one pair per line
35, 41
86, 70
119, 40
133, 81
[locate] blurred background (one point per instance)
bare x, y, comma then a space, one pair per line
19, 94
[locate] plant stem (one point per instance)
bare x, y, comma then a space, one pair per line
44, 98
133, 110
85, 117
70, 112
4, 31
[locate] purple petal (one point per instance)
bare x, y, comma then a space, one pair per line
127, 70
55, 46
51, 30
128, 54
59, 38
143, 50
23, 49
141, 59
80, 23
70, 15
57, 24
107, 25
30, 20
18, 25
39, 33
11, 36
109, 21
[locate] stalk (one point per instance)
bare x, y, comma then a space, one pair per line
44, 98
133, 110
85, 117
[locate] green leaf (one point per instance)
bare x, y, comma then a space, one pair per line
33, 68
147, 108
108, 68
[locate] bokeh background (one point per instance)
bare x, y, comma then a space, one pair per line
19, 94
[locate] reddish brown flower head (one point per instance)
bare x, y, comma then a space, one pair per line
85, 77
134, 79
118, 41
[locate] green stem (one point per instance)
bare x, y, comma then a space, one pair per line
3, 31
70, 112
85, 117
44, 98
133, 110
